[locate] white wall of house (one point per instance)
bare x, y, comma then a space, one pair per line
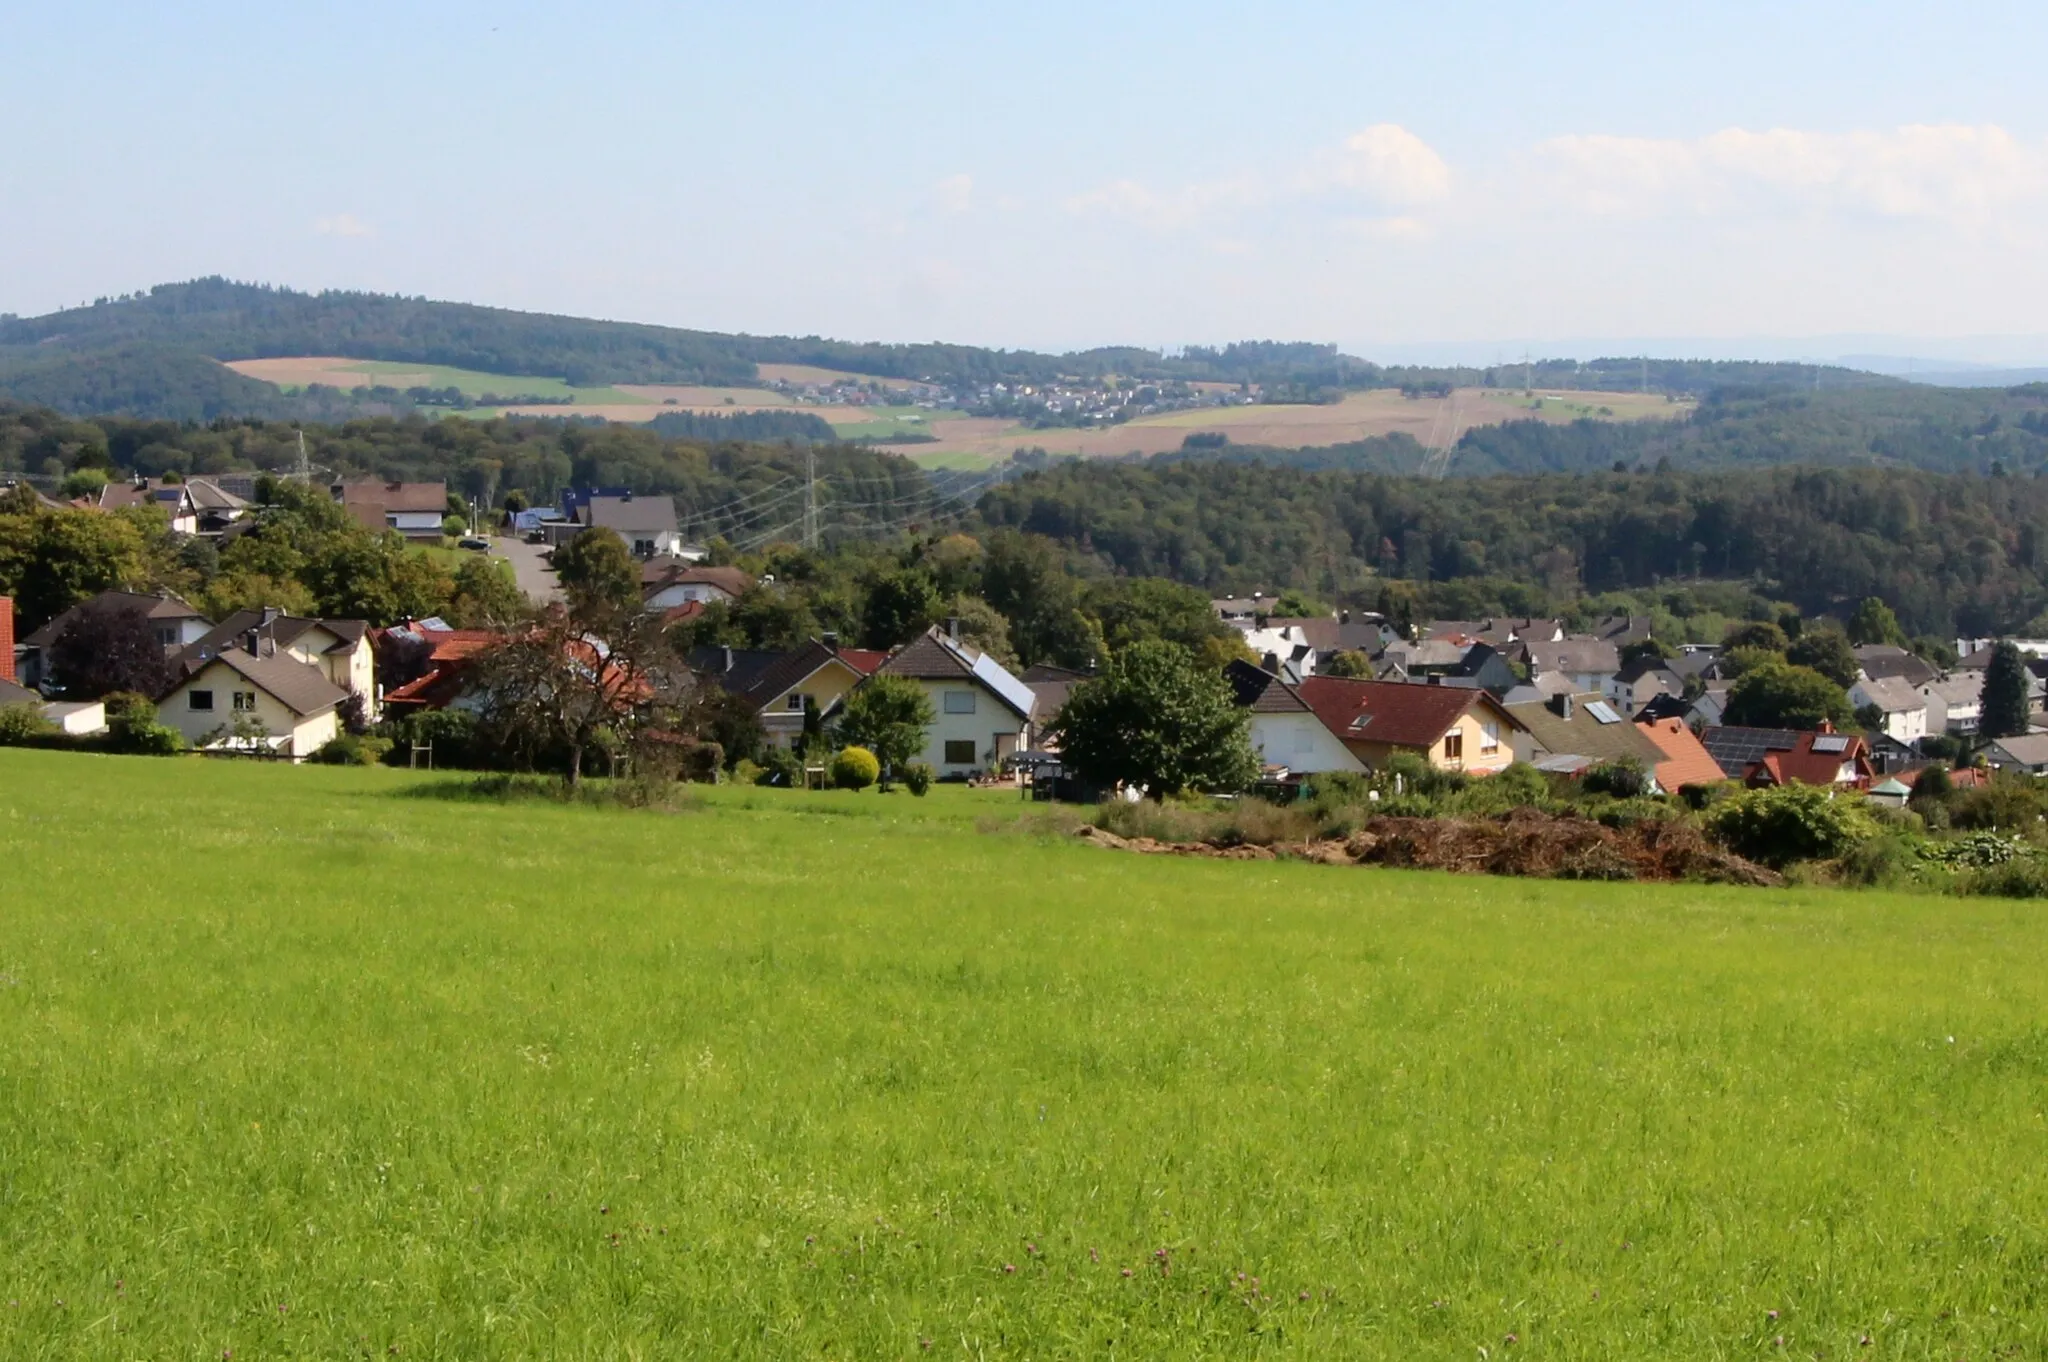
972, 719
79, 718
1300, 742
415, 522
1905, 725
219, 684
682, 593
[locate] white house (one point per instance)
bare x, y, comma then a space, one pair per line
1903, 706
982, 712
241, 700
1287, 734
340, 650
1955, 703
669, 582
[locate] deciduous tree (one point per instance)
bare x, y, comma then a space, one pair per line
1157, 721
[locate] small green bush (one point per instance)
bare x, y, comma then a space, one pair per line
145, 738
1623, 778
855, 768
781, 768
2001, 804
917, 777
702, 763
1882, 862
1780, 824
1978, 851
350, 750
128, 704
745, 772
23, 723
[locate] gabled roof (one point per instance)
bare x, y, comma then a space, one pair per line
2028, 749
631, 515
297, 686
1329, 634
933, 656
156, 607
1397, 713
283, 630
1957, 688
735, 669
1593, 730
1260, 691
1780, 756
412, 498
658, 574
208, 495
1892, 694
1883, 660
790, 670
1685, 760
1577, 655
13, 694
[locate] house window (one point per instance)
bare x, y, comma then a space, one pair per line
795, 703
1454, 746
245, 700
643, 548
959, 702
167, 636
960, 752
1489, 737
201, 700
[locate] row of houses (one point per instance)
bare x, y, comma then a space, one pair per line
214, 506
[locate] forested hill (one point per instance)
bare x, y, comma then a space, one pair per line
1950, 553
144, 348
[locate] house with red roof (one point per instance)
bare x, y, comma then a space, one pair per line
1783, 756
1454, 728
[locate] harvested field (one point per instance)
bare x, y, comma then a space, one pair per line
703, 398
1434, 422
810, 373
1526, 842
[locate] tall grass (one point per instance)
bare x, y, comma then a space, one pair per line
291, 1066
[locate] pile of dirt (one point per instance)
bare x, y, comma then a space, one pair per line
1525, 842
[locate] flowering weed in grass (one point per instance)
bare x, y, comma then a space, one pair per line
293, 1065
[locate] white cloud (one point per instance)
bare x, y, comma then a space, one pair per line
1387, 163
1964, 176
343, 224
1385, 166
955, 194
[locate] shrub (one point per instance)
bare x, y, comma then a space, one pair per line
1624, 778
451, 733
745, 772
144, 738
2025, 878
1978, 851
918, 777
350, 749
1781, 824
2001, 804
1880, 862
781, 768
702, 763
23, 723
855, 768
1700, 798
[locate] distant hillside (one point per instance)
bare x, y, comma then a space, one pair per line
145, 354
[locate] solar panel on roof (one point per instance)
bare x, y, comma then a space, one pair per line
1831, 742
1602, 712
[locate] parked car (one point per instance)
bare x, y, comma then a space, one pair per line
477, 545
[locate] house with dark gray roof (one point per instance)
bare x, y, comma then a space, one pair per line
983, 713
252, 697
174, 623
1284, 728
646, 523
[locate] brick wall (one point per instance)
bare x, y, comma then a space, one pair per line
6, 639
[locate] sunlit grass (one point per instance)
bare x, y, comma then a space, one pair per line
293, 1065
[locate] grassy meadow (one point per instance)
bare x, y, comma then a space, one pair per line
314, 1063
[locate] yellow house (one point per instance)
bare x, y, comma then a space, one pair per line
777, 685
251, 701
1455, 728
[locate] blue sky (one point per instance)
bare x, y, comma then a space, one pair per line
1755, 176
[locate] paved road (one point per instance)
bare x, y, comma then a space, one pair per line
531, 570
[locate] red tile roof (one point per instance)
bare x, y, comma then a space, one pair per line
863, 660
1802, 765
1685, 762
1393, 712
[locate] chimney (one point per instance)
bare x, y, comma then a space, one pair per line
6, 639
1561, 706
726, 658
953, 628
832, 641
1343, 617
1827, 726
253, 641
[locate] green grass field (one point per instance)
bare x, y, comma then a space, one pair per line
881, 423
296, 1063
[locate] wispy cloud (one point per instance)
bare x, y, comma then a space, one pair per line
343, 224
955, 194
1965, 176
